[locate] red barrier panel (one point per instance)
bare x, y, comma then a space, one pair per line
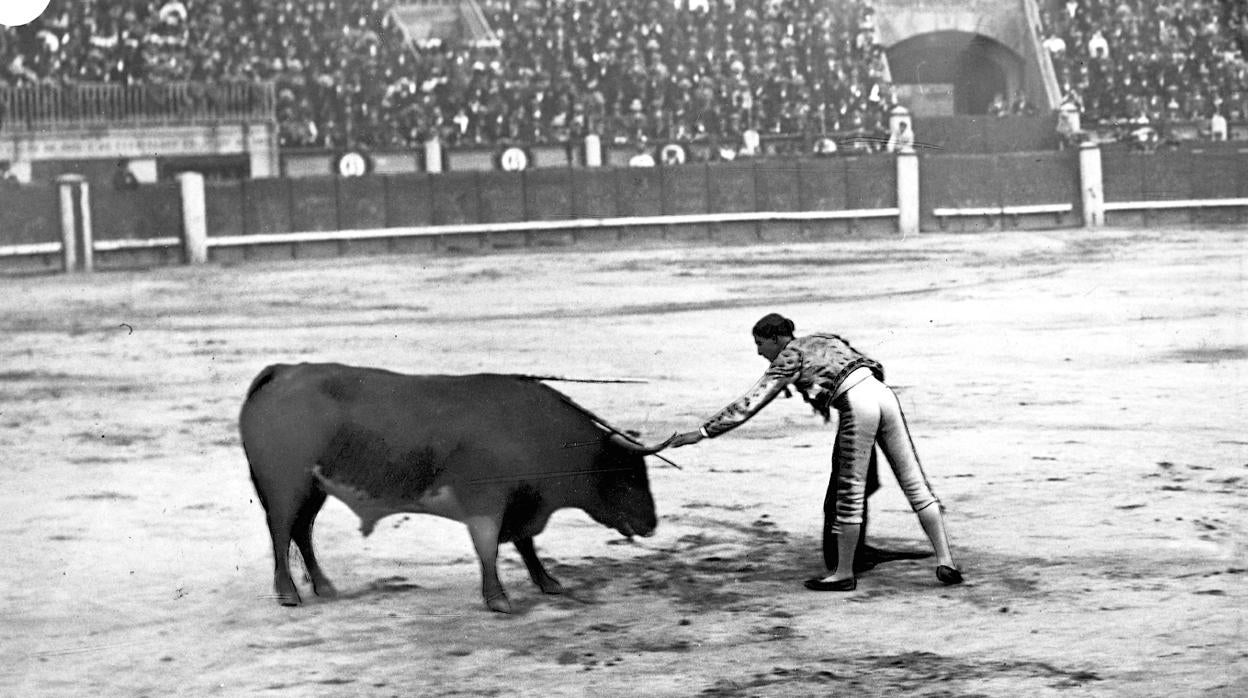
361, 202
684, 189
731, 187
870, 182
548, 194
640, 191
223, 207
409, 200
958, 181
313, 204
455, 198
595, 193
822, 184
266, 206
1215, 176
501, 197
777, 185
1121, 176
1167, 176
29, 214
150, 211
1038, 178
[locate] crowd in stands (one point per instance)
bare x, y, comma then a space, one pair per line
1134, 62
627, 70
631, 71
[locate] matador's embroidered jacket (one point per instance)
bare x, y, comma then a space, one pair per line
815, 365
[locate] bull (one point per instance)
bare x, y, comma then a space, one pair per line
499, 453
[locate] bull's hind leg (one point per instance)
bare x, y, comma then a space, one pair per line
321, 586
537, 571
283, 505
484, 531
281, 520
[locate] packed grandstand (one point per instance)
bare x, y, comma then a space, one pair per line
345, 74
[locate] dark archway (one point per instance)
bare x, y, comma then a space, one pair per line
976, 66
979, 78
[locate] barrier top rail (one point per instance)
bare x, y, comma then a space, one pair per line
38, 107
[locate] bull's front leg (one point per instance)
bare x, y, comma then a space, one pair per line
537, 571
484, 531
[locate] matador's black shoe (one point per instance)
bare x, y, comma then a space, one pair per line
817, 584
948, 575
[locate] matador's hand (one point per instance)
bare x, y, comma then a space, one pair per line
686, 439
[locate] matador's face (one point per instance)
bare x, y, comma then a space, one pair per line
770, 348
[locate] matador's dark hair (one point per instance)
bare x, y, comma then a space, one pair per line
774, 325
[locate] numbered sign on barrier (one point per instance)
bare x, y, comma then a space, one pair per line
673, 154
353, 163
513, 159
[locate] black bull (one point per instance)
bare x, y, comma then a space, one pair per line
499, 453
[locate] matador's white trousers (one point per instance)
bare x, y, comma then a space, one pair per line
870, 414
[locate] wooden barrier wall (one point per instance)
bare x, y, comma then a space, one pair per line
266, 206
957, 193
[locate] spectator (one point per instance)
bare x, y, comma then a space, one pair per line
8, 178
1098, 47
123, 177
902, 138
642, 156
1218, 127
701, 69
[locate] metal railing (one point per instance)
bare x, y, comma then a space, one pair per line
40, 107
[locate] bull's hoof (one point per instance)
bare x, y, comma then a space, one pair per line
498, 603
325, 590
289, 599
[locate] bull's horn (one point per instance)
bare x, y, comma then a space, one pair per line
637, 447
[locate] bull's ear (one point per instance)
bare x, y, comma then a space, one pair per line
639, 448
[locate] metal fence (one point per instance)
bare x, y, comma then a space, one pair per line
38, 107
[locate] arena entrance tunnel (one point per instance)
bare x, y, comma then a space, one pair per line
978, 67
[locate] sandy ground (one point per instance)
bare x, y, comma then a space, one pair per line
1078, 400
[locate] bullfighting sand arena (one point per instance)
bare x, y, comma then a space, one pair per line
1078, 399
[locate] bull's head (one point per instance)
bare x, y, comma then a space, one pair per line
625, 502
628, 443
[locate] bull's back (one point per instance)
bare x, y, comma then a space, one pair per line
301, 412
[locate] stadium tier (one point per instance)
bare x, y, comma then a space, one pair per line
373, 73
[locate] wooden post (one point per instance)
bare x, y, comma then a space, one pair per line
77, 248
194, 218
1091, 184
908, 191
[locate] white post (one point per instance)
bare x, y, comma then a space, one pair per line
433, 155
194, 218
77, 252
86, 232
69, 222
593, 150
1091, 184
908, 191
